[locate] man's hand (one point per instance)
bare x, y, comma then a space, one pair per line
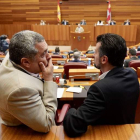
47, 72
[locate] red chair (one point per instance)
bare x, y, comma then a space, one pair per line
138, 53
134, 64
73, 65
57, 56
60, 114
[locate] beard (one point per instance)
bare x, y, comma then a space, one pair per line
97, 66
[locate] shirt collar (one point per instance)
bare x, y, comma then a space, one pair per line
21, 68
103, 75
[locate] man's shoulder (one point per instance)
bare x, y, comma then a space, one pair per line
117, 77
14, 76
135, 58
128, 60
131, 59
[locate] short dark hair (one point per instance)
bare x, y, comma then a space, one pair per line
114, 47
132, 51
3, 37
57, 49
23, 44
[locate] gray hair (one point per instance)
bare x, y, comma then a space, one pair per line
76, 55
23, 44
132, 52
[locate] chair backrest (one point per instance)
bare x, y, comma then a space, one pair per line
60, 114
134, 64
57, 56
138, 53
73, 65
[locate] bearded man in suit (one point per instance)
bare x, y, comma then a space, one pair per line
112, 99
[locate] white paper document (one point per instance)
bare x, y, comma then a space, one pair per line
60, 92
55, 67
90, 67
74, 89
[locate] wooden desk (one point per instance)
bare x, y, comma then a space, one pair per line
81, 41
105, 132
60, 61
99, 132
64, 54
85, 73
25, 133
90, 55
62, 51
70, 95
87, 28
127, 57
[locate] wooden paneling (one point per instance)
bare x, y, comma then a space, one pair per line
32, 11
10, 29
53, 32
127, 32
60, 34
80, 41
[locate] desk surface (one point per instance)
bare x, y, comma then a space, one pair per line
70, 95
106, 132
102, 132
73, 71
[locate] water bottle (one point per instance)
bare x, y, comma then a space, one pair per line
89, 62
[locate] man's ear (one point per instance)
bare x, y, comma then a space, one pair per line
104, 59
25, 62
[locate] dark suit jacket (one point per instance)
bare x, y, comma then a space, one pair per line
64, 22
3, 45
112, 100
83, 23
126, 23
112, 23
126, 62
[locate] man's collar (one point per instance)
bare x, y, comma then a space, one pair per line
103, 75
22, 69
